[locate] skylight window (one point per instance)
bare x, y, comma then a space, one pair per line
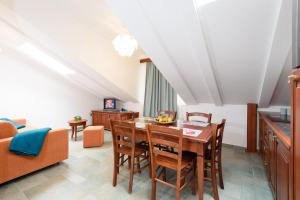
45, 59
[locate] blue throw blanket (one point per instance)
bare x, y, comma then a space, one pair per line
29, 143
18, 126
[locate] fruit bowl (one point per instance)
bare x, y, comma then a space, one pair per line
163, 122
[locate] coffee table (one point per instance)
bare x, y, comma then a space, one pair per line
74, 124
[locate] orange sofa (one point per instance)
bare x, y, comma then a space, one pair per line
54, 150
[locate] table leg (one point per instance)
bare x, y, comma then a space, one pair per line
75, 133
200, 166
72, 132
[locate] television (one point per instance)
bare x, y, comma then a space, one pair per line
109, 104
296, 34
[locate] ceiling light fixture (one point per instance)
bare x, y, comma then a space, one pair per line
42, 57
201, 3
125, 45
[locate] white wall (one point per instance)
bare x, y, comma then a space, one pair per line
235, 132
41, 96
138, 106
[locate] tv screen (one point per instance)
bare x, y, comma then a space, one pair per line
109, 103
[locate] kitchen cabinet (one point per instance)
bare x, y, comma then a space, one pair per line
102, 117
275, 151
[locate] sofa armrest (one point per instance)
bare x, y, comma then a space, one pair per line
4, 146
20, 121
7, 130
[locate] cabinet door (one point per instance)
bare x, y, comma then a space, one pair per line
272, 149
266, 159
261, 137
96, 116
283, 171
105, 121
113, 116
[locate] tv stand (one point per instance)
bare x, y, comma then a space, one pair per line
102, 117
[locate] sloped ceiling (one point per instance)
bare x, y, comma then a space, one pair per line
214, 51
282, 93
211, 51
80, 34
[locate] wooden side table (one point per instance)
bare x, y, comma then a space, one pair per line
74, 124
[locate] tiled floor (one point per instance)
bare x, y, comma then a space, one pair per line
87, 175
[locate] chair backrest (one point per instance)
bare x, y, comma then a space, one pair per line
217, 138
123, 134
170, 138
199, 114
168, 112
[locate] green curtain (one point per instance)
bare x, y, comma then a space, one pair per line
159, 95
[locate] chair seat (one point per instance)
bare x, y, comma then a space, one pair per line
127, 150
170, 163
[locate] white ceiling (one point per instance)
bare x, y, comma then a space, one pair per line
224, 52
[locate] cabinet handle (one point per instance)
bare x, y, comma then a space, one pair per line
274, 138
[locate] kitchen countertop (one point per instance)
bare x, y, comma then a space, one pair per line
284, 127
282, 121
280, 124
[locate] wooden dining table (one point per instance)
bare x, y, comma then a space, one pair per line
193, 144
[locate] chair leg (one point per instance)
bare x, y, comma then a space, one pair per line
177, 193
214, 181
129, 162
131, 174
116, 168
122, 159
178, 185
150, 167
153, 171
153, 194
138, 164
118, 161
193, 183
205, 171
220, 171
164, 174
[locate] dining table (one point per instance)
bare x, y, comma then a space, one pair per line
196, 144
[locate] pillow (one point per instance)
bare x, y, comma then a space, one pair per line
18, 126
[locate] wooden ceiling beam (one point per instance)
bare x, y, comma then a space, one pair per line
145, 60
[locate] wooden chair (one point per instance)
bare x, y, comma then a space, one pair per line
213, 158
198, 114
124, 144
168, 112
184, 165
